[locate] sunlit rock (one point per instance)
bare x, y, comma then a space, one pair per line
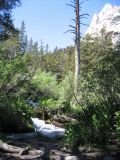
108, 19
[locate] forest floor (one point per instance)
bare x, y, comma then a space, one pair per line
55, 150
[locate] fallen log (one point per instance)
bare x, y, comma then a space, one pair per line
8, 148
20, 153
21, 157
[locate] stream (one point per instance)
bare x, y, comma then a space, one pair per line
41, 128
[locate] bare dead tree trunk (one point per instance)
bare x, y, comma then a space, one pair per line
76, 4
77, 47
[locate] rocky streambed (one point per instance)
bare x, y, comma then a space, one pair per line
34, 146
39, 148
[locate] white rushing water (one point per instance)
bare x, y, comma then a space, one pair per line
47, 130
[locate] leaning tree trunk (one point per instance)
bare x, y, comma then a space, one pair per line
77, 47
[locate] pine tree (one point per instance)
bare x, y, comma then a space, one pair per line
26, 43
88, 55
30, 45
22, 38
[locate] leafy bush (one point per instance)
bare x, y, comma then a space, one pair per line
46, 83
95, 110
54, 94
49, 103
78, 134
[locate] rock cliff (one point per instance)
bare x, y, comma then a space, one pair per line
108, 19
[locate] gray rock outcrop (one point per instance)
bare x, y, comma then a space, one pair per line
108, 19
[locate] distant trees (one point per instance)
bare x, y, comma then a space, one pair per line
25, 45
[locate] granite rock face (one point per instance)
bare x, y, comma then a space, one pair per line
108, 19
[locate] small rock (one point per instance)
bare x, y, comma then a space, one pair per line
71, 158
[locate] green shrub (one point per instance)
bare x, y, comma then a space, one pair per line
46, 83
78, 134
96, 107
49, 103
54, 94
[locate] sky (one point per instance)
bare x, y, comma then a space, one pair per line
47, 20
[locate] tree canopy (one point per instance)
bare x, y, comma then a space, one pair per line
6, 22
